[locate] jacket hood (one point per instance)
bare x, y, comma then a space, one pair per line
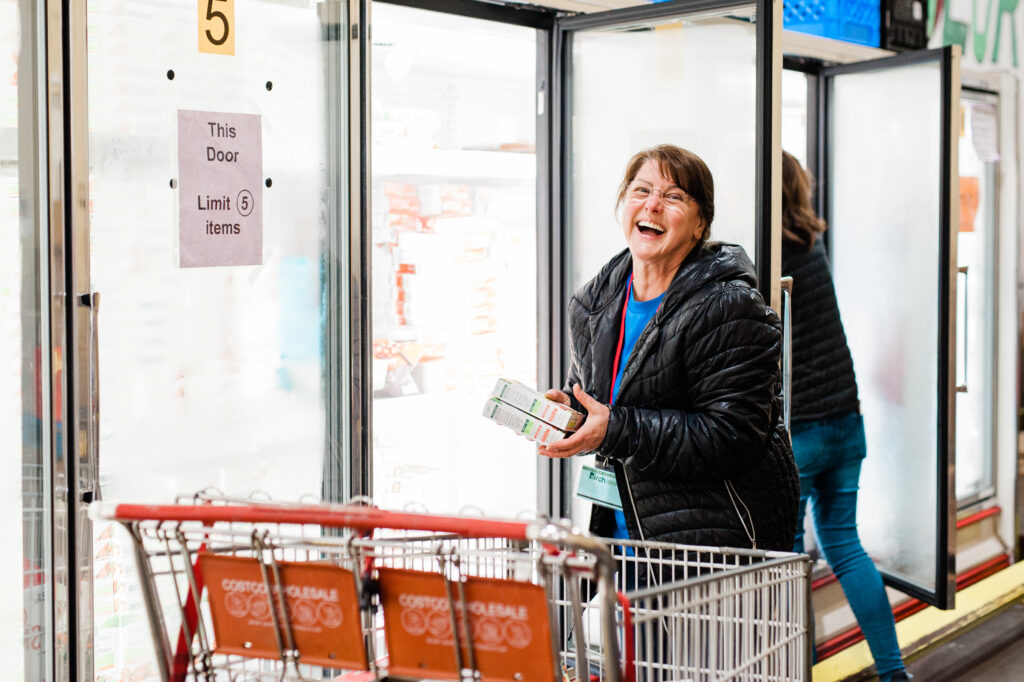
714, 262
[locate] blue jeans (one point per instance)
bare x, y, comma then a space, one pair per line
828, 454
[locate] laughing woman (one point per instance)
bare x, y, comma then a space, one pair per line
675, 360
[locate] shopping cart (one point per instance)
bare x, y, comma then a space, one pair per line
706, 613
282, 591
279, 591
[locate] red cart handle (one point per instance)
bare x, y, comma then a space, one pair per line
335, 516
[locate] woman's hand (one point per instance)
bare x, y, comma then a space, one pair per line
589, 436
557, 396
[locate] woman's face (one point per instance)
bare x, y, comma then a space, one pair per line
661, 221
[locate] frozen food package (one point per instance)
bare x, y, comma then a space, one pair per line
530, 401
521, 422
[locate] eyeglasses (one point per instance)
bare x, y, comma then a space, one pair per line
673, 196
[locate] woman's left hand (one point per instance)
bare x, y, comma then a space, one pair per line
589, 437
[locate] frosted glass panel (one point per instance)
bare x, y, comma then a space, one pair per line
691, 83
454, 258
885, 197
26, 583
194, 361
211, 376
794, 114
976, 295
15, 516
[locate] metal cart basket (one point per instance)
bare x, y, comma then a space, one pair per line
243, 590
707, 613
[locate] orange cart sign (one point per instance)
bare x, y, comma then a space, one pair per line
322, 608
508, 622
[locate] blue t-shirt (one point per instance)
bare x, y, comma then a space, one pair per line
638, 314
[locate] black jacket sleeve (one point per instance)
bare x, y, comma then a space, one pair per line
733, 373
578, 329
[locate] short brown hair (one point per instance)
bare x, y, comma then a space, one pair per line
800, 223
687, 170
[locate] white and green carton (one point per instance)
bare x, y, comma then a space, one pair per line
521, 422
523, 397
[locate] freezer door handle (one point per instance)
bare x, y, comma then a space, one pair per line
91, 486
962, 387
786, 284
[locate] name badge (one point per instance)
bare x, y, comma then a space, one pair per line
598, 485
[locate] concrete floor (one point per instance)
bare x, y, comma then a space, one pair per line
992, 651
1005, 665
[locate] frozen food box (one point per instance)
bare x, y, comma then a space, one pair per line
530, 401
522, 423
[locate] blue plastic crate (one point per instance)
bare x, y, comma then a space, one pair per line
855, 21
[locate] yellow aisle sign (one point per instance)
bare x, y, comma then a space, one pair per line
217, 26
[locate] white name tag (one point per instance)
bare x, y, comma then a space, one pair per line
598, 485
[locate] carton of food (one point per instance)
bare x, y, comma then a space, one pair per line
530, 401
522, 423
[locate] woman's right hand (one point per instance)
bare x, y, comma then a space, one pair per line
589, 436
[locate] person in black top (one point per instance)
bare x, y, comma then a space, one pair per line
825, 423
689, 415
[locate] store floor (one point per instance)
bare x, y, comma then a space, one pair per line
1006, 665
989, 652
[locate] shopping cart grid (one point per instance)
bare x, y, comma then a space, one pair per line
266, 590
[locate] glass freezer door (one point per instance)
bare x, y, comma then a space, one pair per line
33, 623
219, 376
694, 74
454, 256
697, 75
891, 186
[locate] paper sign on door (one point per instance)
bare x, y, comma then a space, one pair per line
220, 183
508, 623
322, 608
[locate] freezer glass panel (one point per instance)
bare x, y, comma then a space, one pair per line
975, 414
794, 141
885, 198
794, 114
211, 377
691, 83
25, 626
454, 258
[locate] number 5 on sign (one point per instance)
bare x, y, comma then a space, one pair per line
217, 26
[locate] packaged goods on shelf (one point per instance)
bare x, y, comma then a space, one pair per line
402, 202
484, 324
450, 300
521, 422
483, 294
487, 307
456, 201
399, 189
396, 207
403, 221
534, 403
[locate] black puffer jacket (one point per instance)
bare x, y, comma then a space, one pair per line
696, 435
824, 384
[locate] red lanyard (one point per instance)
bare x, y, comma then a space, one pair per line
622, 334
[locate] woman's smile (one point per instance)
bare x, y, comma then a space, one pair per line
650, 228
